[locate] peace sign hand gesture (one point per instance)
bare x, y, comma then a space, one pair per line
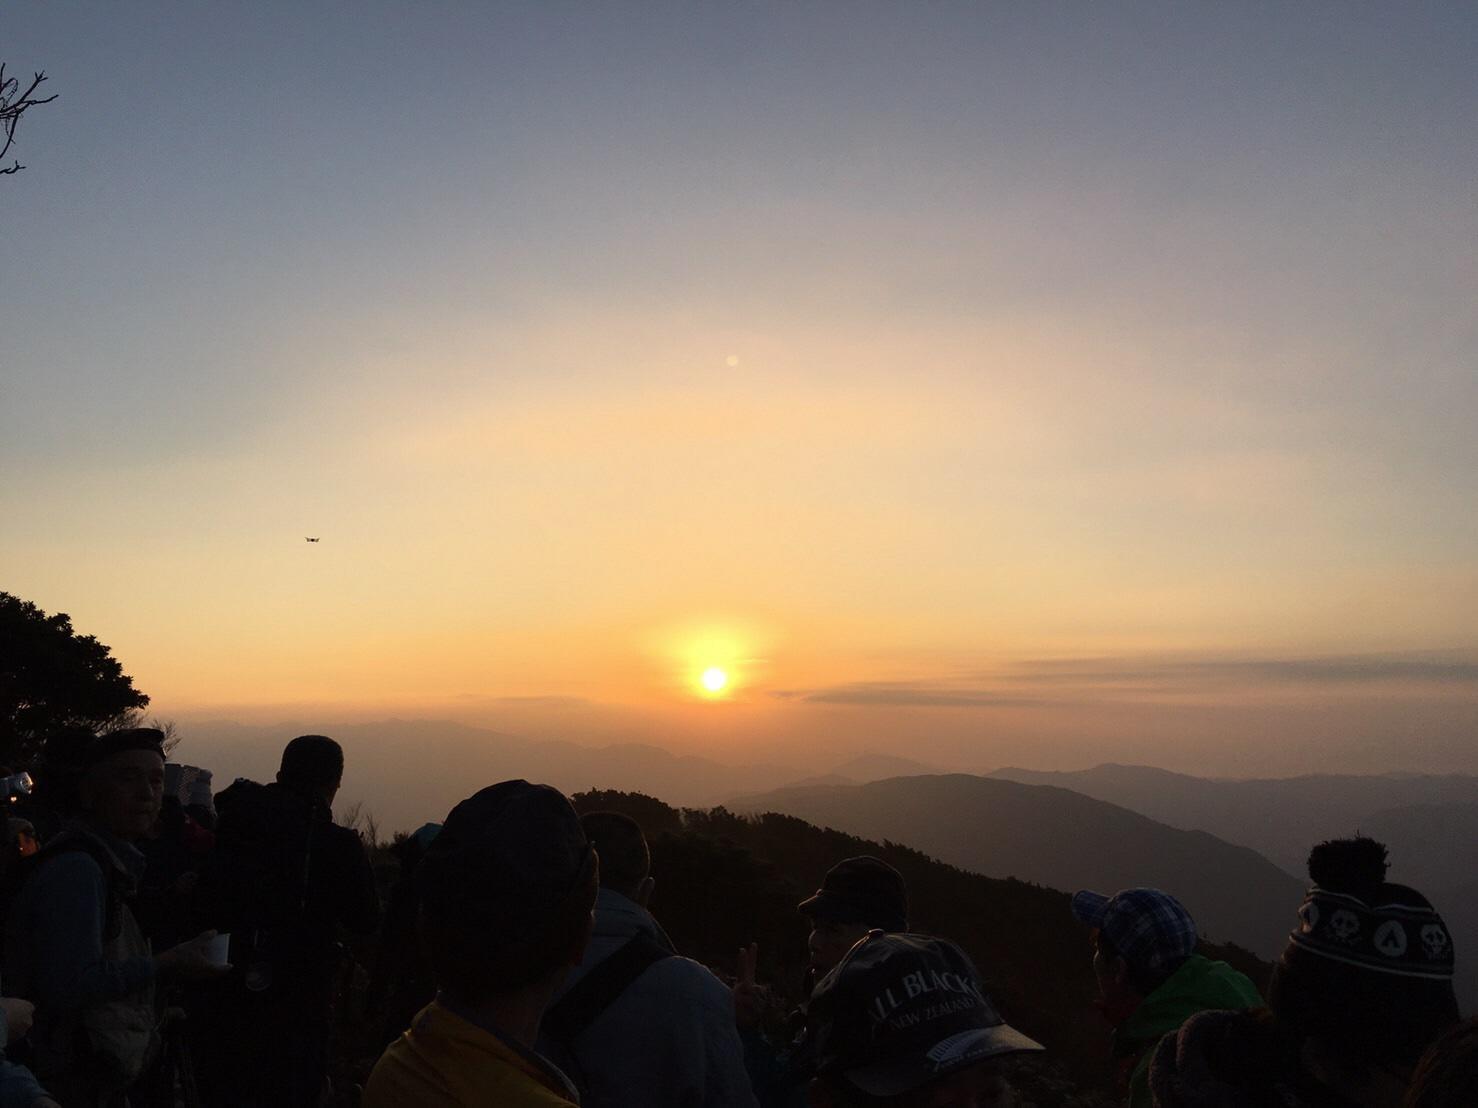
747, 1001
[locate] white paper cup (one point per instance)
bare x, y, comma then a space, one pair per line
219, 950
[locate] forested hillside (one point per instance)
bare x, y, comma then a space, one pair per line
1062, 839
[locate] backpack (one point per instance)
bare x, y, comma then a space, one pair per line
256, 880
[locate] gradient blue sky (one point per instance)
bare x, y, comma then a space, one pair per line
896, 348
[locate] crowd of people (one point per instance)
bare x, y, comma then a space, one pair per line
167, 946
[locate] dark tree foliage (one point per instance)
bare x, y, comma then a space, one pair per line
53, 678
723, 880
654, 816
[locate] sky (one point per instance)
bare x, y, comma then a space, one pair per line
1043, 384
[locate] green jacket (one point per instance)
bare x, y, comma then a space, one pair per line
1200, 985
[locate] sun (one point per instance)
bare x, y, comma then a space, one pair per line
715, 662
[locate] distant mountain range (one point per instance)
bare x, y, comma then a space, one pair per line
410, 771
1278, 817
1213, 842
1057, 837
406, 772
1430, 824
870, 766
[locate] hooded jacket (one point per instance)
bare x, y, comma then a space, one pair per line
669, 1039
1198, 985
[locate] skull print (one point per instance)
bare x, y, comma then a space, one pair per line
1345, 925
1434, 940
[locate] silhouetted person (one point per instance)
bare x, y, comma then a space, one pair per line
1362, 990
1150, 978
507, 892
857, 896
73, 944
191, 785
282, 879
173, 852
1447, 1076
402, 983
635, 1023
903, 1021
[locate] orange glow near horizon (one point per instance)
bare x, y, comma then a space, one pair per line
713, 659
1089, 421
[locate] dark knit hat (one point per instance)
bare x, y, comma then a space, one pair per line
127, 738
1353, 916
863, 890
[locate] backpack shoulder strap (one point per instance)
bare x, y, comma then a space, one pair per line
598, 989
116, 879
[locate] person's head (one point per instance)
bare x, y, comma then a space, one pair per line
20, 842
122, 781
903, 1022
1447, 1076
857, 895
507, 889
411, 849
20, 837
625, 861
1365, 983
1140, 938
312, 765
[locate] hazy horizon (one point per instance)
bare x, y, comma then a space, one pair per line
987, 384
236, 747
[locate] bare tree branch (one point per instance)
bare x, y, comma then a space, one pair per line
133, 717
14, 104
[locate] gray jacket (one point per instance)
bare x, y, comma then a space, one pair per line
668, 1041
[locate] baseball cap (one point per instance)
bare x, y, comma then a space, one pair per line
860, 890
901, 1010
1150, 929
505, 857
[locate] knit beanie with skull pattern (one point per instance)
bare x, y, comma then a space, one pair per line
1369, 968
1352, 915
